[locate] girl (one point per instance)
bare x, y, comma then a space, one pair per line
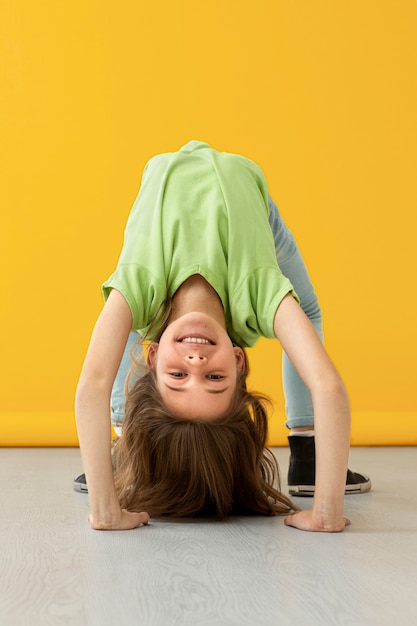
199, 263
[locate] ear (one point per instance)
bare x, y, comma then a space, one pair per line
240, 359
151, 354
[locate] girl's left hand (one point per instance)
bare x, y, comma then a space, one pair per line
304, 520
127, 520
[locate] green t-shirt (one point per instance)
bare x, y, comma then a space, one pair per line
200, 211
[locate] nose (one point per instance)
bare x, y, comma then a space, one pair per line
196, 359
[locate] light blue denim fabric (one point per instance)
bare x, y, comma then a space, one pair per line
298, 404
133, 351
299, 408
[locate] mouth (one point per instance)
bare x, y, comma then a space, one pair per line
199, 339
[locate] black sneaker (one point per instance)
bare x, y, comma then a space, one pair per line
80, 484
302, 470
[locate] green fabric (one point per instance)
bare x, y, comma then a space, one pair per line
205, 212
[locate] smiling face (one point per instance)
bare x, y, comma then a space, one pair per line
196, 367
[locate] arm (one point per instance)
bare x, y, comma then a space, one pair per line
92, 414
331, 412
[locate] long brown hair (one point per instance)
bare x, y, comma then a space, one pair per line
181, 468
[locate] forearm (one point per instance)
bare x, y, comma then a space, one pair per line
92, 415
331, 415
332, 438
100, 367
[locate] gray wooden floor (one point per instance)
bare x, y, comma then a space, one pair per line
55, 570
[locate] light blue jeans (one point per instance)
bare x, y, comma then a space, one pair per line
299, 408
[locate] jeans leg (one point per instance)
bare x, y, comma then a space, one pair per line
299, 407
132, 351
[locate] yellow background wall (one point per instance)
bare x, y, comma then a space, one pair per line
322, 94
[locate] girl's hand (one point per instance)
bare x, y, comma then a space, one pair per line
304, 520
126, 521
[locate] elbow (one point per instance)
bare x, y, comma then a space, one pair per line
90, 389
341, 394
332, 387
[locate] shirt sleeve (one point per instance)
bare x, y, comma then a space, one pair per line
254, 303
142, 291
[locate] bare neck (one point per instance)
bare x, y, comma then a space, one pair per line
195, 294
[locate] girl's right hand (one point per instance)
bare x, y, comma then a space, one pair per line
126, 521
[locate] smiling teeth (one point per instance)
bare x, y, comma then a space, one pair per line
195, 340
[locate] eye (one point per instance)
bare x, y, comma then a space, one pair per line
215, 376
178, 374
